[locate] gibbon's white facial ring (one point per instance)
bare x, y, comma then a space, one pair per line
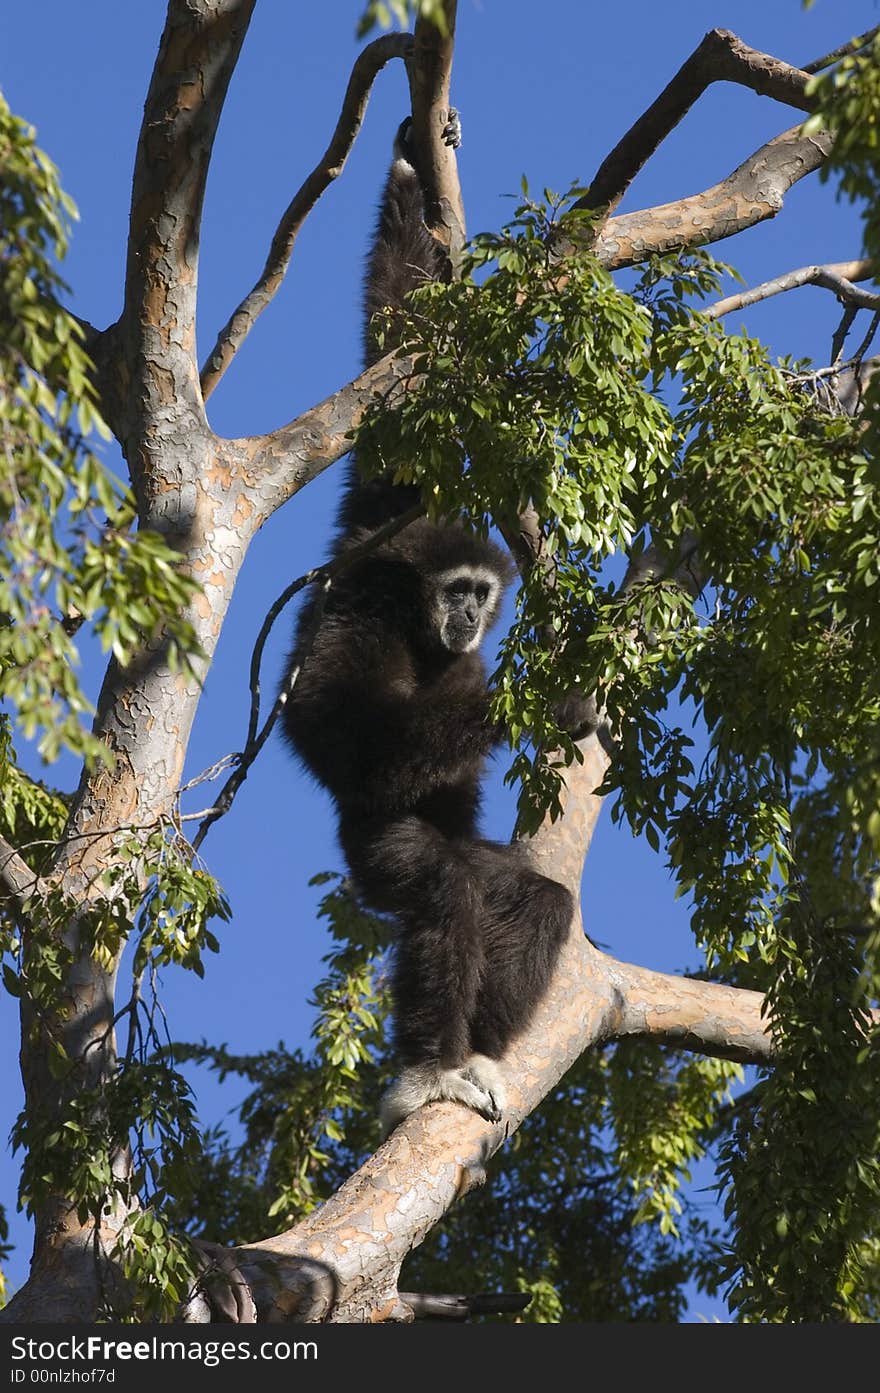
464, 605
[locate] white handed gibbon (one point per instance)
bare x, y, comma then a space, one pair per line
390, 714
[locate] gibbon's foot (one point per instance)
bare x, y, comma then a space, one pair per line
477, 1084
452, 129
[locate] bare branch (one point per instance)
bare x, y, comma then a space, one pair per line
283, 462
751, 194
197, 55
856, 362
720, 57
366, 68
711, 1019
840, 334
434, 1306
836, 276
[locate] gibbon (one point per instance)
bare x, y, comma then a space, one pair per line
390, 714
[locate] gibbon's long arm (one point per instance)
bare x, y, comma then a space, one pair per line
404, 255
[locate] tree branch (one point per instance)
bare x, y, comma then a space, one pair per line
720, 57
434, 1306
836, 276
197, 54
276, 466
751, 194
367, 66
340, 1264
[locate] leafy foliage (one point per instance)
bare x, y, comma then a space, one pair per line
68, 553
306, 1114
848, 98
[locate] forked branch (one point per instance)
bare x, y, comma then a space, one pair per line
719, 57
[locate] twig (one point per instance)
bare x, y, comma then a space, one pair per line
856, 360
839, 337
854, 46
367, 65
208, 774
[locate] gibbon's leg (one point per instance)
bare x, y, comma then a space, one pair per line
525, 920
430, 883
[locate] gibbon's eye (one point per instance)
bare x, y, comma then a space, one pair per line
482, 592
457, 589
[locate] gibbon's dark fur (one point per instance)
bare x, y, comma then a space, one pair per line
390, 714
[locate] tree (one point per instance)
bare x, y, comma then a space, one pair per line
590, 419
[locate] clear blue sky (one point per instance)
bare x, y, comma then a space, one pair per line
545, 91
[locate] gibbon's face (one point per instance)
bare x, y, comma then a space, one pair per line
465, 604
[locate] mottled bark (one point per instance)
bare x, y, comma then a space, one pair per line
837, 276
754, 192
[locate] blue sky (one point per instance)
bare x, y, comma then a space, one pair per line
544, 91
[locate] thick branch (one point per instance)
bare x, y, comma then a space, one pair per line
751, 194
276, 466
430, 72
341, 1263
367, 65
197, 54
703, 1016
837, 276
720, 57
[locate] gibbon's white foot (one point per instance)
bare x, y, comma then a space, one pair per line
477, 1084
